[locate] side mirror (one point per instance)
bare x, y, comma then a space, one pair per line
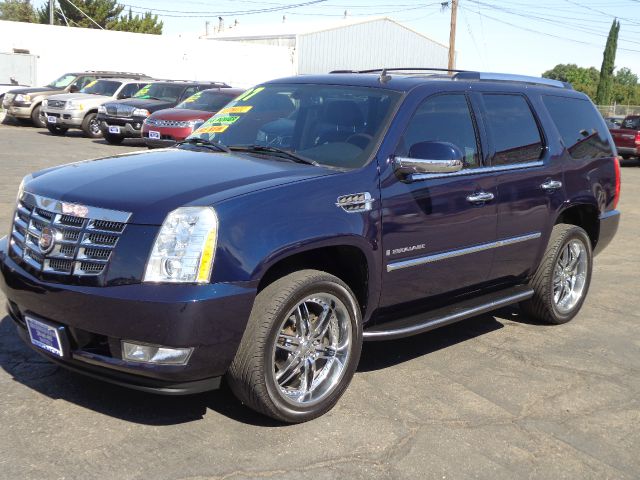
74, 88
429, 158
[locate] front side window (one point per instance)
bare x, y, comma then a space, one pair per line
102, 87
581, 127
84, 81
169, 92
62, 82
333, 125
632, 123
208, 101
130, 89
443, 118
513, 128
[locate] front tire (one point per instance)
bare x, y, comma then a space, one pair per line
562, 279
56, 129
36, 119
91, 126
300, 348
113, 139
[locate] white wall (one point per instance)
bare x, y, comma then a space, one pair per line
375, 44
63, 49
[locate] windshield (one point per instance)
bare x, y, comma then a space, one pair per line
206, 101
169, 92
337, 126
63, 81
102, 87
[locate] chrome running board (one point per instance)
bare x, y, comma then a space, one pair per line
440, 317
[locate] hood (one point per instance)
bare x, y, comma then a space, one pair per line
34, 90
181, 114
78, 96
151, 184
146, 103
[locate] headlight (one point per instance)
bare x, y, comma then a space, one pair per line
21, 187
45, 103
185, 247
23, 98
71, 105
102, 109
141, 112
196, 124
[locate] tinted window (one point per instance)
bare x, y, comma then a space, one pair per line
513, 128
632, 123
169, 92
101, 87
444, 118
581, 127
206, 101
130, 89
84, 81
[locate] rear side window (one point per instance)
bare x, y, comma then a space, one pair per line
632, 123
581, 127
513, 128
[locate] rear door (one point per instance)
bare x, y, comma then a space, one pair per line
436, 239
529, 180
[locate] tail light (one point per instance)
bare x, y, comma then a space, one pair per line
637, 138
616, 196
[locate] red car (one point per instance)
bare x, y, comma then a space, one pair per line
166, 127
627, 137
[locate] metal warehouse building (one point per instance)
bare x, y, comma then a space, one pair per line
344, 45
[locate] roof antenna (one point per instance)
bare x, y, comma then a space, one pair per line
384, 78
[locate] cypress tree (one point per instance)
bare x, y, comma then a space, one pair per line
603, 95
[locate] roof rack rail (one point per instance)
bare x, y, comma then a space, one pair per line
398, 69
212, 82
507, 77
113, 72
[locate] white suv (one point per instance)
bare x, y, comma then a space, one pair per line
78, 110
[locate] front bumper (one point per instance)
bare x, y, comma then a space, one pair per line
609, 222
65, 118
211, 318
168, 136
19, 111
129, 127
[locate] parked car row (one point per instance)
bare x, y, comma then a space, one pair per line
626, 136
119, 105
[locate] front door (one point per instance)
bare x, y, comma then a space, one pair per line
437, 237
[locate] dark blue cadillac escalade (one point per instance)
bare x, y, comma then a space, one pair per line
311, 214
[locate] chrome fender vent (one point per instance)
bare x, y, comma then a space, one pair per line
355, 202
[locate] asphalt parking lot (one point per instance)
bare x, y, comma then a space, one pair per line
492, 397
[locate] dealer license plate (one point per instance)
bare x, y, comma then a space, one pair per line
154, 135
113, 129
44, 336
52, 119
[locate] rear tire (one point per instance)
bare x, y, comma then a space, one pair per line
36, 119
561, 282
56, 129
113, 139
90, 126
300, 348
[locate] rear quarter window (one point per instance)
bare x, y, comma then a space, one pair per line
581, 127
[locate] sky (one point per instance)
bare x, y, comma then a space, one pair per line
512, 36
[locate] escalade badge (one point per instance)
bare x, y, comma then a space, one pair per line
75, 210
47, 240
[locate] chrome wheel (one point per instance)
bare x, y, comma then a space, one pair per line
94, 127
570, 276
312, 349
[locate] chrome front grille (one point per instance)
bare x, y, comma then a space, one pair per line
56, 103
168, 123
117, 110
8, 99
80, 245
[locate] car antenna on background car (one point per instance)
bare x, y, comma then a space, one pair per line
384, 78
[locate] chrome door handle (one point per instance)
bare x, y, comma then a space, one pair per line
551, 185
480, 197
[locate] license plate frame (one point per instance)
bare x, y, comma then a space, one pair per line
51, 119
45, 336
114, 129
153, 135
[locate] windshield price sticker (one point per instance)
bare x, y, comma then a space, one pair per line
252, 92
91, 84
213, 129
243, 109
226, 119
193, 97
143, 91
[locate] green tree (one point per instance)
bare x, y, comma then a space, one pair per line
604, 93
626, 89
147, 23
582, 79
17, 11
103, 12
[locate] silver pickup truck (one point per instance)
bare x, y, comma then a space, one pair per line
78, 110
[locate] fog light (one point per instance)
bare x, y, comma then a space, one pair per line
137, 352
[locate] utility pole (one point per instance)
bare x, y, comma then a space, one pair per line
452, 34
51, 6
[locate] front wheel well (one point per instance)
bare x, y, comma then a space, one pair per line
346, 262
585, 217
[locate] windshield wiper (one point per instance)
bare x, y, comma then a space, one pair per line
201, 142
279, 152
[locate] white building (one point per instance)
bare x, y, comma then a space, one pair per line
344, 45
